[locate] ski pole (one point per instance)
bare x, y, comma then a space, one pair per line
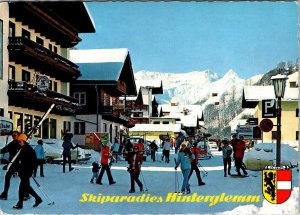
144, 182
205, 172
43, 192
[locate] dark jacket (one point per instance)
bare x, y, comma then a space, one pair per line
153, 146
135, 162
67, 145
12, 148
26, 161
96, 167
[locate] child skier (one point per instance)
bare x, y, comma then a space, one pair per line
95, 171
227, 151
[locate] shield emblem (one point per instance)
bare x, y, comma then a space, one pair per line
277, 185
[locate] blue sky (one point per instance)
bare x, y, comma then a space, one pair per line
249, 37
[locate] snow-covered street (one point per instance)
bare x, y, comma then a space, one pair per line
68, 189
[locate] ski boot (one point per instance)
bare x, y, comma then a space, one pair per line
38, 201
18, 206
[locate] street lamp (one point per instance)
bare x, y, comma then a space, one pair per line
279, 82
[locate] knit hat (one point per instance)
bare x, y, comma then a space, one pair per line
22, 137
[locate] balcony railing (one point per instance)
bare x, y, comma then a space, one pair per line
42, 54
52, 96
116, 111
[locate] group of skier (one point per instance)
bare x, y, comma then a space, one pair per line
22, 159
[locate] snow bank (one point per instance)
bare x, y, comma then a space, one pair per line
267, 152
290, 207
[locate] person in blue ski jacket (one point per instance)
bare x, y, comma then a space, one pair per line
184, 160
67, 145
40, 156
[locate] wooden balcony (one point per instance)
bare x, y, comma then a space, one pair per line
22, 94
140, 120
45, 21
33, 55
115, 113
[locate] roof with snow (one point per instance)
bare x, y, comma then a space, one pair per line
189, 115
253, 94
155, 85
156, 127
105, 65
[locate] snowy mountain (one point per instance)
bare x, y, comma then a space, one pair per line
196, 87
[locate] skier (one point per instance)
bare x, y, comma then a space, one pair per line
39, 151
12, 148
240, 148
67, 145
154, 148
95, 171
26, 159
227, 151
183, 158
166, 149
194, 164
127, 149
135, 164
115, 149
178, 142
233, 142
105, 155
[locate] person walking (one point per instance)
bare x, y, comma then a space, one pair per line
67, 145
240, 148
12, 148
194, 164
128, 149
95, 171
166, 149
154, 149
105, 156
135, 164
39, 151
226, 151
183, 159
26, 159
115, 149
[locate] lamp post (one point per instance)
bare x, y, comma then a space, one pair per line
279, 82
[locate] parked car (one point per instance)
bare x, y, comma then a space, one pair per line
53, 151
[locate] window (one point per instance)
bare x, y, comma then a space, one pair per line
10, 114
25, 34
1, 112
297, 112
36, 120
45, 129
50, 47
25, 76
293, 84
12, 29
156, 122
50, 85
67, 126
137, 114
18, 121
40, 41
27, 122
79, 128
297, 135
104, 127
11, 73
53, 128
55, 86
116, 131
165, 122
1, 49
81, 96
55, 49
